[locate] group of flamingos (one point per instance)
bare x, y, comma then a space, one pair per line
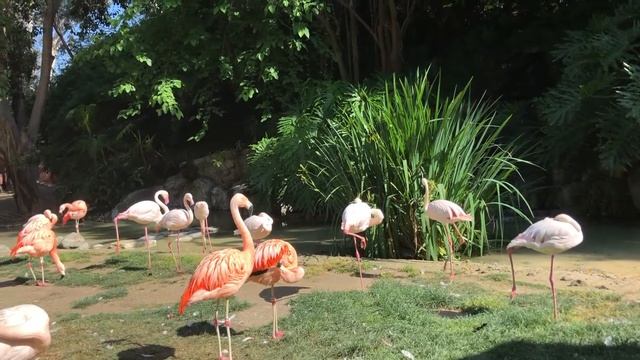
221, 273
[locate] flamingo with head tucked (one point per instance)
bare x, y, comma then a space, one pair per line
46, 220
275, 260
176, 220
445, 212
75, 211
549, 236
259, 226
221, 273
357, 217
37, 244
24, 332
144, 213
201, 211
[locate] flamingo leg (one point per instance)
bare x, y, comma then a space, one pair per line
451, 273
42, 271
206, 225
277, 334
216, 324
458, 234
179, 258
30, 267
355, 244
173, 255
77, 226
227, 324
117, 236
146, 240
204, 237
513, 274
553, 291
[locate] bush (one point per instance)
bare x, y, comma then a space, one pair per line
378, 142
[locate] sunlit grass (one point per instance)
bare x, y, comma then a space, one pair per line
341, 265
100, 297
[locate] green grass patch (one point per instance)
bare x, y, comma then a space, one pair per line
410, 270
100, 297
342, 265
457, 321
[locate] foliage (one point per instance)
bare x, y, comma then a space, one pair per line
377, 143
593, 113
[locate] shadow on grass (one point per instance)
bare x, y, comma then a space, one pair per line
12, 261
151, 351
280, 292
526, 350
203, 327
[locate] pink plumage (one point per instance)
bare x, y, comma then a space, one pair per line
176, 220
74, 211
24, 332
276, 260
549, 236
46, 220
38, 244
221, 273
447, 213
201, 212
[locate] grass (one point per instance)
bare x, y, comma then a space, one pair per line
103, 296
457, 321
341, 265
410, 270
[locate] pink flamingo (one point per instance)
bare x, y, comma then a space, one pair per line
274, 260
445, 212
75, 210
357, 217
24, 332
144, 213
201, 211
221, 273
38, 244
259, 226
176, 220
46, 220
548, 236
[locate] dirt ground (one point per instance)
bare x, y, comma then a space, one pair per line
607, 261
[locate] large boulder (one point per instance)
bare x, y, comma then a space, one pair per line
200, 189
73, 241
218, 199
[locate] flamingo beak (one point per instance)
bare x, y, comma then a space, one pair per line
250, 208
61, 276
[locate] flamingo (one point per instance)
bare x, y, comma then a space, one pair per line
144, 213
75, 210
259, 226
445, 212
176, 220
274, 260
24, 332
357, 217
38, 244
221, 273
549, 236
201, 211
46, 220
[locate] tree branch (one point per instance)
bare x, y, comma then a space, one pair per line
364, 23
64, 42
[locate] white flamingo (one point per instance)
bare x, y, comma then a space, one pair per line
357, 217
201, 211
144, 213
24, 332
549, 236
445, 212
259, 226
176, 220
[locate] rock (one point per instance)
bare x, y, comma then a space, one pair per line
201, 188
602, 287
218, 199
73, 241
138, 243
4, 250
176, 186
98, 246
240, 188
577, 282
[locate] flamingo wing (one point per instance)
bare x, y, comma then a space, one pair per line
356, 217
175, 219
272, 253
219, 275
144, 212
548, 236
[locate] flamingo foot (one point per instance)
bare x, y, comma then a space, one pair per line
41, 283
278, 335
513, 294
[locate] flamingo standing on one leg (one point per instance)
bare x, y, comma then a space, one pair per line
144, 213
176, 220
24, 332
201, 211
548, 236
221, 273
275, 259
445, 212
357, 217
259, 226
38, 244
75, 210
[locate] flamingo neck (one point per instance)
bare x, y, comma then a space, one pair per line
56, 260
247, 240
163, 207
188, 209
